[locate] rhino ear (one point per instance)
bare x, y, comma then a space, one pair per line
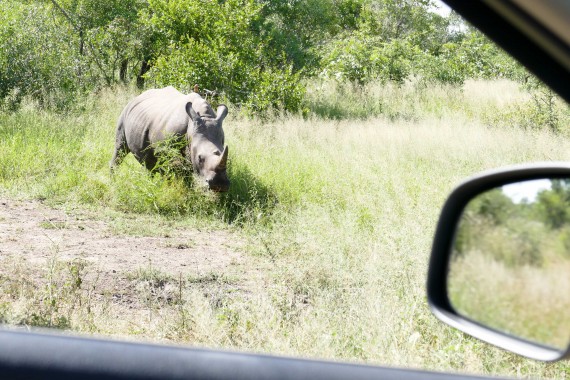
190, 111
222, 112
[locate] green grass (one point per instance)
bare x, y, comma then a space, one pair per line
338, 209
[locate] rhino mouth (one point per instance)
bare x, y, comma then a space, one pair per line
218, 186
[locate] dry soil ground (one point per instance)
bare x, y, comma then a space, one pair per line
114, 261
35, 233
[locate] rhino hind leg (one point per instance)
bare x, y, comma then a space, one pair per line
121, 148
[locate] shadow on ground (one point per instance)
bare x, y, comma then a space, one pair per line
248, 200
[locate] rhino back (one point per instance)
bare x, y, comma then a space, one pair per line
152, 116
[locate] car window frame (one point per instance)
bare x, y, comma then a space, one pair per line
47, 355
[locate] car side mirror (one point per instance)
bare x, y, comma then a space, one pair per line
500, 263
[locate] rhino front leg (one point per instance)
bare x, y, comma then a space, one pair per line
150, 160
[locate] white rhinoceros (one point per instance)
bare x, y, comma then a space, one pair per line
158, 114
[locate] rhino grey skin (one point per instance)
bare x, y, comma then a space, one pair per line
162, 113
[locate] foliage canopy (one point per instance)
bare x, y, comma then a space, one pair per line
255, 53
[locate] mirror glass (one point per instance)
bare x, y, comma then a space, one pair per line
510, 264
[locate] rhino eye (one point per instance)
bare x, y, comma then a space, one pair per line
217, 153
201, 159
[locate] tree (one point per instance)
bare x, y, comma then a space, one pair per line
553, 206
36, 56
108, 34
389, 38
221, 46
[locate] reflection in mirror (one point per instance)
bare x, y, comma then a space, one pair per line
510, 264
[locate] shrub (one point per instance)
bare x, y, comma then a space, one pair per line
223, 51
35, 57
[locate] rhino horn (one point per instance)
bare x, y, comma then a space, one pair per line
222, 111
224, 160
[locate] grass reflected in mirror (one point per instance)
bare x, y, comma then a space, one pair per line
511, 261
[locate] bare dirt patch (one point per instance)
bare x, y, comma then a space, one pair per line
74, 269
35, 233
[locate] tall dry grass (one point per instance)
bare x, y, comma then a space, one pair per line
528, 301
338, 209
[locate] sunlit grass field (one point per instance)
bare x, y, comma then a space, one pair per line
336, 207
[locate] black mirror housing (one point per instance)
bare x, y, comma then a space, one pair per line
439, 266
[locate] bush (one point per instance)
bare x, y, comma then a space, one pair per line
220, 47
35, 57
362, 59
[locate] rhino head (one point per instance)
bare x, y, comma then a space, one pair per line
208, 154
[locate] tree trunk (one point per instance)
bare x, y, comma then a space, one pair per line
145, 67
123, 70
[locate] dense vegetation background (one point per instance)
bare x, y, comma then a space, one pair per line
256, 53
